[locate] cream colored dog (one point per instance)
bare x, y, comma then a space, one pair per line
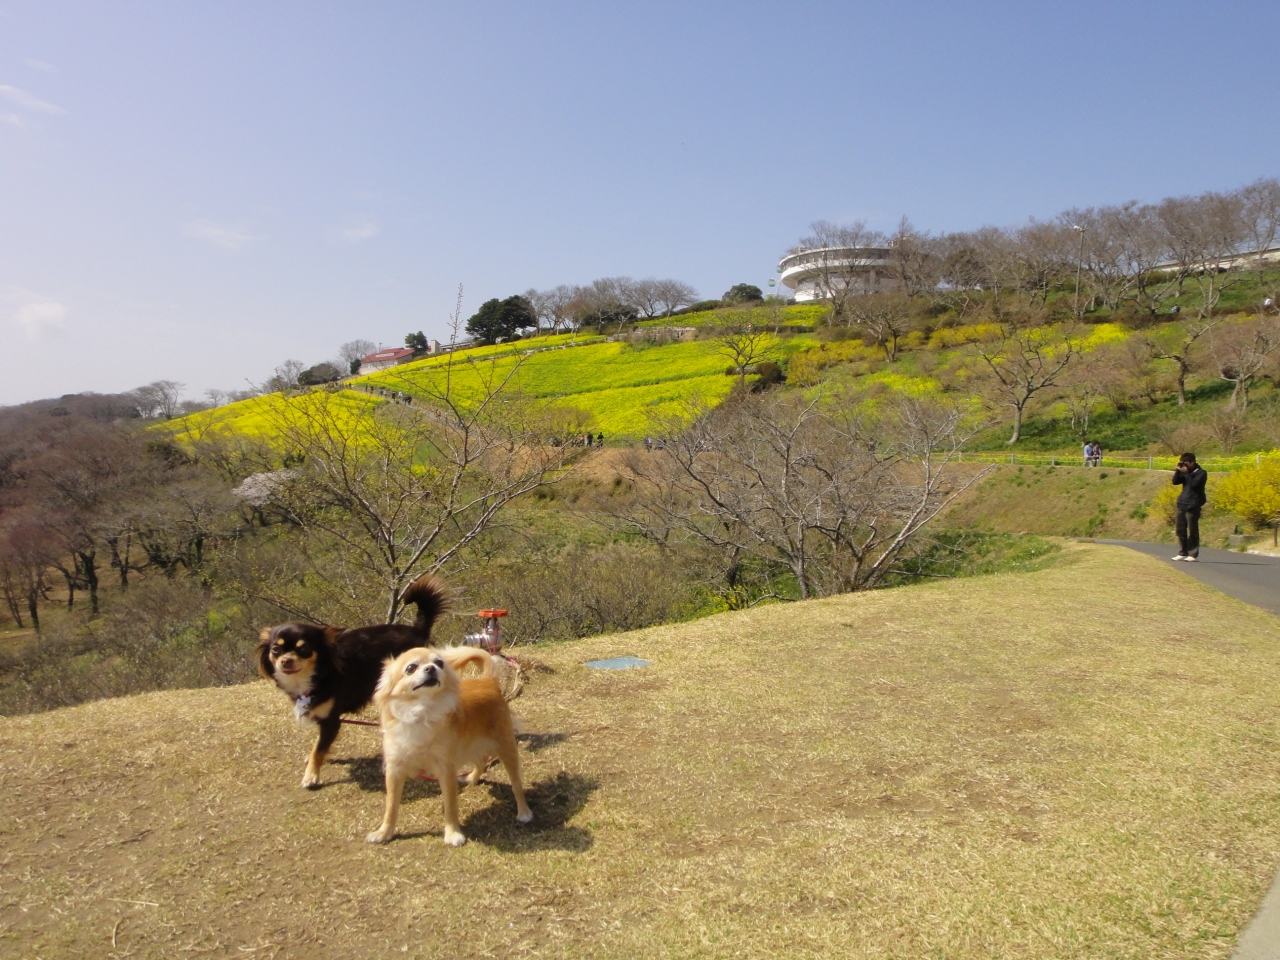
437, 723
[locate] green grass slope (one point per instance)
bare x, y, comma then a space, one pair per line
1070, 501
620, 385
800, 316
1079, 762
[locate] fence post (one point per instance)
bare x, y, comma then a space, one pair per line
1150, 463
1012, 459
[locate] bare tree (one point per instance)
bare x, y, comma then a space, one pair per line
285, 377
26, 555
353, 351
181, 519
963, 273
1142, 250
1104, 265
1044, 256
385, 492
646, 297
743, 342
87, 488
913, 263
1202, 235
672, 295
884, 317
1084, 392
1182, 348
1025, 362
1260, 214
828, 487
1227, 426
1129, 372
1243, 351
159, 398
606, 300
551, 307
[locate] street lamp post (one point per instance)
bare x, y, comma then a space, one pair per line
1079, 263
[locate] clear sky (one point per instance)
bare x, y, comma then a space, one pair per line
198, 191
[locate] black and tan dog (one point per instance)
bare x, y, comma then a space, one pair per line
328, 671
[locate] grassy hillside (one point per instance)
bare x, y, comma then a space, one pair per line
1078, 502
619, 385
967, 769
804, 316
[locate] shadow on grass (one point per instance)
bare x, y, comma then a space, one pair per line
554, 803
533, 742
366, 773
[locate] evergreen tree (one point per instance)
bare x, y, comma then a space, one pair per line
501, 319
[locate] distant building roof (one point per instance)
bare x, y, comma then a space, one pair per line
382, 356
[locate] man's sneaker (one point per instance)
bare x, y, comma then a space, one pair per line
1178, 557
1191, 559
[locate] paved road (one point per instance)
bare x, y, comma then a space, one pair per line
1245, 576
1255, 580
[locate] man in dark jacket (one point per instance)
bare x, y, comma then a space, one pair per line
1191, 477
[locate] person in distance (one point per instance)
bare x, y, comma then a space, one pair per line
1191, 477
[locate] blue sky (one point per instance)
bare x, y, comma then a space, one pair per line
199, 191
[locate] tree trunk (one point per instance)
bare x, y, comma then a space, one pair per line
121, 562
1239, 396
33, 607
15, 608
1017, 426
89, 570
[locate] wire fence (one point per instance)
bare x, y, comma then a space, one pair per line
1219, 464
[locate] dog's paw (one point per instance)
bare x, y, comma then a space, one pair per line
380, 835
525, 817
310, 781
454, 838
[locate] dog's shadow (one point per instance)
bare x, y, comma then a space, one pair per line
554, 801
366, 772
533, 742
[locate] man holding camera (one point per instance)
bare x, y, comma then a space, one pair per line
1191, 477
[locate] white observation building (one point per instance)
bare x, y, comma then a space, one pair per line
813, 273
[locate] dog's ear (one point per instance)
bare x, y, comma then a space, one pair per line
382, 692
264, 654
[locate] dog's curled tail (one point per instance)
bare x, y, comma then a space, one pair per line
459, 657
432, 599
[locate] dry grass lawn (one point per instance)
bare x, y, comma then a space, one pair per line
1080, 762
